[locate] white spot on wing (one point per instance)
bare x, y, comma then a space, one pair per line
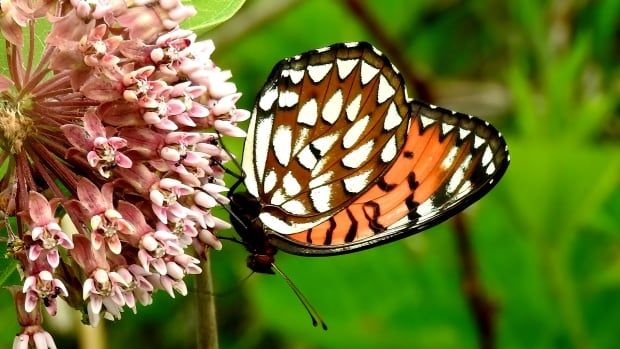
291, 185
285, 227
385, 91
278, 197
355, 132
458, 175
445, 128
392, 118
331, 110
354, 107
426, 121
282, 142
358, 156
463, 133
487, 156
389, 150
263, 132
325, 143
296, 76
320, 180
449, 159
478, 141
426, 208
294, 207
318, 72
306, 158
288, 99
345, 67
490, 169
357, 183
368, 72
301, 140
270, 181
248, 161
308, 113
455, 180
463, 190
321, 198
267, 99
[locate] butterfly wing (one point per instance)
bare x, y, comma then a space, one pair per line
341, 161
449, 161
326, 126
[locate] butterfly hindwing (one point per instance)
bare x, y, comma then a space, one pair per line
449, 161
326, 126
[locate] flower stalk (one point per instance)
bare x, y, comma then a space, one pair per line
207, 336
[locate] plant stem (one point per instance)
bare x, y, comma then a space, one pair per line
206, 336
483, 309
373, 25
90, 337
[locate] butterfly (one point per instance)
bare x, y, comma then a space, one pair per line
339, 159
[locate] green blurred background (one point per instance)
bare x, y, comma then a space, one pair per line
546, 240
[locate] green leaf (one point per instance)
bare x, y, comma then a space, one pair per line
7, 268
211, 14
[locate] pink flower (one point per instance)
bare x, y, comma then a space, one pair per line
155, 248
103, 153
165, 199
31, 334
98, 50
106, 223
104, 290
40, 340
43, 286
114, 119
14, 14
44, 230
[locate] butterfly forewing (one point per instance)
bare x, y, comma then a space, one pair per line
449, 161
327, 125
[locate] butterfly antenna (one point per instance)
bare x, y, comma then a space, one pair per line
312, 312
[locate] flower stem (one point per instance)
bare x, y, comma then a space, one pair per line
88, 336
206, 336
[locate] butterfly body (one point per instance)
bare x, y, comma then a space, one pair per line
339, 159
252, 232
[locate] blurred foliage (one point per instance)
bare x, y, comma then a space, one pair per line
212, 14
547, 238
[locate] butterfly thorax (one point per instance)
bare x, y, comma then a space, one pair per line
252, 232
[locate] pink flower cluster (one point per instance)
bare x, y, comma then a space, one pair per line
112, 143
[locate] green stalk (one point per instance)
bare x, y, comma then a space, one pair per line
206, 336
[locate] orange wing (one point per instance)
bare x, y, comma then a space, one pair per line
449, 161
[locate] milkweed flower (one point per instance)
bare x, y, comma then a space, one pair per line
110, 140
